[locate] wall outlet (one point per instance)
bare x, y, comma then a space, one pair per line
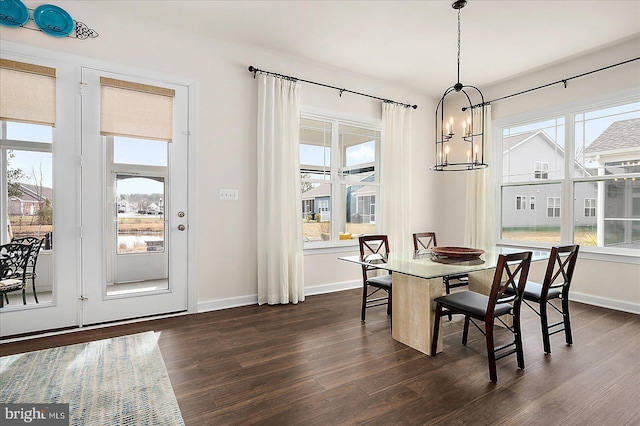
229, 194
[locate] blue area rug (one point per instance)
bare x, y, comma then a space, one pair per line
119, 381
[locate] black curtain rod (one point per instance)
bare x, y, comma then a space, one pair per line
563, 81
255, 70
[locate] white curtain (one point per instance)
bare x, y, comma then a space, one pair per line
279, 239
395, 176
481, 208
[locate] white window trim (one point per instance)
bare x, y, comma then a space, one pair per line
567, 110
532, 202
541, 167
554, 206
315, 113
590, 207
523, 203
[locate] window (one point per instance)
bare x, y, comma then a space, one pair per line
588, 154
521, 202
553, 206
339, 183
28, 167
27, 114
541, 170
589, 207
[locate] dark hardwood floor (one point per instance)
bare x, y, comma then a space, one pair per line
315, 363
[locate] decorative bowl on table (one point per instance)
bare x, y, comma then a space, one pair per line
457, 252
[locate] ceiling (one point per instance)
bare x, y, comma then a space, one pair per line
410, 44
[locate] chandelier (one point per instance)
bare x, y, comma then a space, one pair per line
460, 148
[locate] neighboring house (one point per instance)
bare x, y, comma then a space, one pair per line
534, 156
617, 150
360, 207
29, 201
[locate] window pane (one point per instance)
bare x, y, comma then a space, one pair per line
30, 194
606, 141
615, 205
139, 151
534, 224
29, 132
360, 203
316, 211
140, 214
315, 149
358, 149
534, 151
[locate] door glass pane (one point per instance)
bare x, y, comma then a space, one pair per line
139, 151
140, 263
30, 214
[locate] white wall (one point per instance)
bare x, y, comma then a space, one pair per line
607, 283
225, 135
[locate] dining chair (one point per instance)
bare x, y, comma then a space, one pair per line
557, 280
31, 274
374, 250
511, 273
424, 242
13, 264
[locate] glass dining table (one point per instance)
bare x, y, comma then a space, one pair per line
417, 280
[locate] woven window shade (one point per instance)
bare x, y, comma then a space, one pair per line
27, 93
136, 110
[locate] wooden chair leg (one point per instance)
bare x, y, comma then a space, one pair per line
4, 296
24, 296
33, 285
518, 340
436, 330
491, 355
389, 302
567, 320
544, 326
364, 302
465, 331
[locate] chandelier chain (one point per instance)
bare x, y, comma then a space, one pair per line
459, 45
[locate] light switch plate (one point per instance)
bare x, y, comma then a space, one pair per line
229, 194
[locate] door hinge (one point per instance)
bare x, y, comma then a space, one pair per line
81, 86
82, 298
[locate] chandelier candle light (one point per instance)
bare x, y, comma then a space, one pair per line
472, 128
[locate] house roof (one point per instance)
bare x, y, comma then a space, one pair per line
620, 135
514, 141
322, 190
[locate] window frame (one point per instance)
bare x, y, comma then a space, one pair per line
337, 203
555, 205
592, 206
521, 203
7, 145
568, 112
541, 170
532, 202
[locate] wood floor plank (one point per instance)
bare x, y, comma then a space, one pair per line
316, 363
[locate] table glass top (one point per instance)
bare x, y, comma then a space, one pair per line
423, 264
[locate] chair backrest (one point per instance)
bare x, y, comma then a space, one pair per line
35, 244
424, 241
13, 260
373, 249
511, 274
559, 274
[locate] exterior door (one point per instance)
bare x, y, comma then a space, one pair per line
134, 209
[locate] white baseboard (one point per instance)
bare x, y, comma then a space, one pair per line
233, 302
603, 302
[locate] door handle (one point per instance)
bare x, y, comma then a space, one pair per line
181, 227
